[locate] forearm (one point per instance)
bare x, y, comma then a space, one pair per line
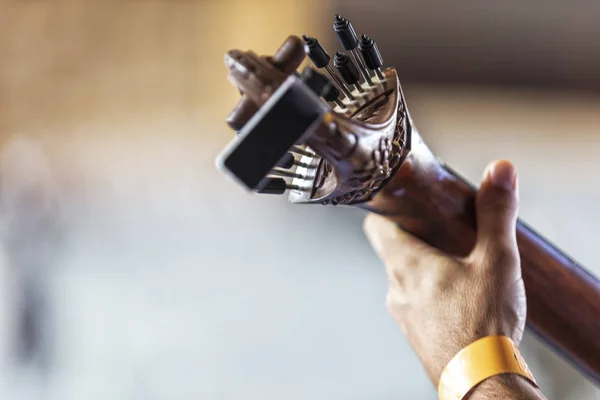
504, 387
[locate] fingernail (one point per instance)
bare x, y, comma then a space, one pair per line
502, 174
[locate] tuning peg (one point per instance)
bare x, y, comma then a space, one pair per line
371, 54
288, 174
301, 151
314, 80
321, 59
286, 162
299, 163
321, 86
274, 186
332, 95
345, 32
347, 70
277, 186
316, 52
347, 36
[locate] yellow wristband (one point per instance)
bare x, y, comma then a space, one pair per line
482, 359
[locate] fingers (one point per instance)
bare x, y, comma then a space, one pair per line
496, 207
399, 250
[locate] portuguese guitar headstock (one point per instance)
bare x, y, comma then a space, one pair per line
332, 134
340, 133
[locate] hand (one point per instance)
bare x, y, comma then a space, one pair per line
443, 303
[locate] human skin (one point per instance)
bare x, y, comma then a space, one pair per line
443, 303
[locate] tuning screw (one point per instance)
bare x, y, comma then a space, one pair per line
288, 174
347, 36
347, 70
321, 86
333, 95
314, 80
273, 186
301, 151
286, 162
316, 52
321, 59
345, 32
277, 186
301, 164
371, 54
289, 161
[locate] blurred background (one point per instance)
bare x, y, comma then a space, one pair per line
130, 268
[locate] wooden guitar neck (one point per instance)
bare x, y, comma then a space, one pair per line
350, 140
429, 200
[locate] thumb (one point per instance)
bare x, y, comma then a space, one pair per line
496, 206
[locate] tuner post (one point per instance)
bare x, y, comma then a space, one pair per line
321, 86
273, 186
349, 40
332, 96
288, 174
299, 150
372, 55
286, 162
276, 186
340, 83
347, 70
321, 60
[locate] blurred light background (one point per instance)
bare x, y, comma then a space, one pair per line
132, 269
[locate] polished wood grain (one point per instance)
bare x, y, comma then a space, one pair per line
431, 201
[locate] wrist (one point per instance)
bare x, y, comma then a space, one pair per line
484, 364
507, 386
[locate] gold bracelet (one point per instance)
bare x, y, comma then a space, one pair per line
482, 359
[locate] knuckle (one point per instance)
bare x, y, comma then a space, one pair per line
391, 303
401, 266
412, 261
501, 256
499, 262
498, 248
443, 278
